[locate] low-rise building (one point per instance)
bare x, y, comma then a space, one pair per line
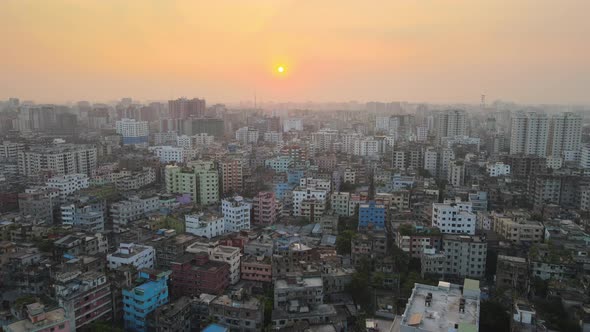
40, 319
140, 256
256, 268
193, 274
517, 230
454, 217
442, 308
238, 311
86, 297
149, 291
372, 216
512, 273
172, 317
218, 253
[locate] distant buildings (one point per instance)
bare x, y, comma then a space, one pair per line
58, 159
530, 132
183, 108
134, 132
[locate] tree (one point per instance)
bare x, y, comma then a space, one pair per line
493, 317
343, 242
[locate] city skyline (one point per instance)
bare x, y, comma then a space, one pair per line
439, 52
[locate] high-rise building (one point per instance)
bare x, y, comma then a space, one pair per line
133, 132
58, 159
231, 176
194, 126
200, 180
529, 134
565, 134
450, 123
183, 108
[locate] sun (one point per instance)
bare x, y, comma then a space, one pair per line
280, 69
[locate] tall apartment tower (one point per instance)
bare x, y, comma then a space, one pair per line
183, 108
565, 134
529, 135
450, 123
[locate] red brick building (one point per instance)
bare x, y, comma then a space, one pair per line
193, 274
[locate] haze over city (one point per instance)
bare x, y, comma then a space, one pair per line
294, 166
529, 51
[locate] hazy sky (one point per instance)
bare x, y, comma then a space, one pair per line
224, 50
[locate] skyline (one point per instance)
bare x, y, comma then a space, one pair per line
527, 52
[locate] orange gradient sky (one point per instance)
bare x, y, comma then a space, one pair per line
534, 51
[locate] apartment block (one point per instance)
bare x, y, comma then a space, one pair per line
148, 292
194, 274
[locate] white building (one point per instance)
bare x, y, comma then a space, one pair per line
205, 225
142, 257
450, 123
273, 137
565, 134
60, 159
236, 214
302, 193
366, 147
454, 217
498, 169
68, 184
325, 139
202, 139
247, 135
292, 124
421, 133
554, 162
431, 161
169, 154
585, 157
529, 134
134, 132
456, 174
184, 141
134, 208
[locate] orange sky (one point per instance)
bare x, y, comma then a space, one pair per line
224, 50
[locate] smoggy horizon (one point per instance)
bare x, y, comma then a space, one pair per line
530, 52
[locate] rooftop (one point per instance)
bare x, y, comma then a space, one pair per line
442, 313
52, 317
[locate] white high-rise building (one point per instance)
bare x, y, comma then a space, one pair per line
247, 135
454, 217
59, 159
565, 134
366, 147
133, 132
292, 124
450, 123
529, 135
324, 139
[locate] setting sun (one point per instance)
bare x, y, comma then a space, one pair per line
281, 69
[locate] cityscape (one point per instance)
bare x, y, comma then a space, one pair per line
329, 191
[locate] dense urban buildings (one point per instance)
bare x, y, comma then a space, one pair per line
180, 216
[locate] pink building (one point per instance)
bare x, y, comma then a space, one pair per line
264, 209
256, 268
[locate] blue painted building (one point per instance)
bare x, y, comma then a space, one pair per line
294, 176
281, 188
150, 293
372, 216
